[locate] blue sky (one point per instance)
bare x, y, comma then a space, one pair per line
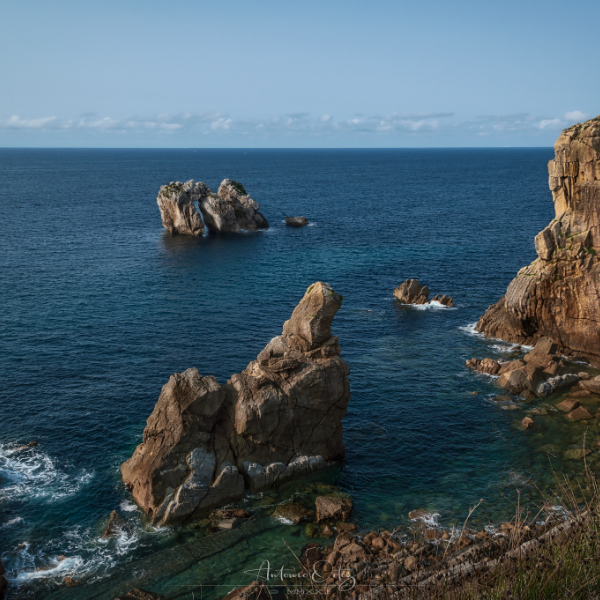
258, 73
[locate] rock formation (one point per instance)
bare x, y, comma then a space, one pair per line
177, 210
558, 295
205, 445
412, 292
296, 221
230, 210
539, 373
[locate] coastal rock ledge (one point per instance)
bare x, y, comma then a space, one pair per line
231, 209
558, 294
205, 445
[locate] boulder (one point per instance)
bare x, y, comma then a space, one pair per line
591, 385
296, 221
231, 209
294, 512
568, 405
579, 414
558, 295
412, 292
488, 366
177, 210
116, 524
138, 594
204, 445
330, 508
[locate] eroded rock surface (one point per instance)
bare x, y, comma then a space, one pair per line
540, 373
177, 209
205, 445
558, 295
412, 292
231, 209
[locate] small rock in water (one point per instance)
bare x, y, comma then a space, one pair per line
296, 221
579, 414
227, 523
61, 557
116, 523
528, 423
330, 508
420, 514
326, 532
69, 581
294, 512
577, 453
568, 405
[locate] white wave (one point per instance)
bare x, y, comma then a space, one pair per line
127, 506
31, 473
470, 329
12, 522
433, 305
430, 519
284, 521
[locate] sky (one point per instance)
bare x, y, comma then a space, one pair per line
327, 73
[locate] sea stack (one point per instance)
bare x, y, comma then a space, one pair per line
412, 292
558, 294
231, 209
205, 445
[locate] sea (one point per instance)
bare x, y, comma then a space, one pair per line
100, 305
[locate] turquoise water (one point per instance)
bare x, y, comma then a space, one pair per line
101, 305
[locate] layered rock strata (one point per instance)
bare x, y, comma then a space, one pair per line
231, 209
205, 445
412, 292
558, 294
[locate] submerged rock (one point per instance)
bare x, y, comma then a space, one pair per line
205, 445
296, 221
412, 292
558, 295
330, 508
116, 524
177, 210
488, 366
294, 512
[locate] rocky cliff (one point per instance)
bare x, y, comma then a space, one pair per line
205, 445
558, 295
231, 209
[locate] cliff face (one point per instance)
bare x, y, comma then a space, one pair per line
205, 445
558, 294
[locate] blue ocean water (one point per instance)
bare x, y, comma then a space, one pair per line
100, 306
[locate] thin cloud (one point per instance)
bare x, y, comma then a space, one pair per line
302, 124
